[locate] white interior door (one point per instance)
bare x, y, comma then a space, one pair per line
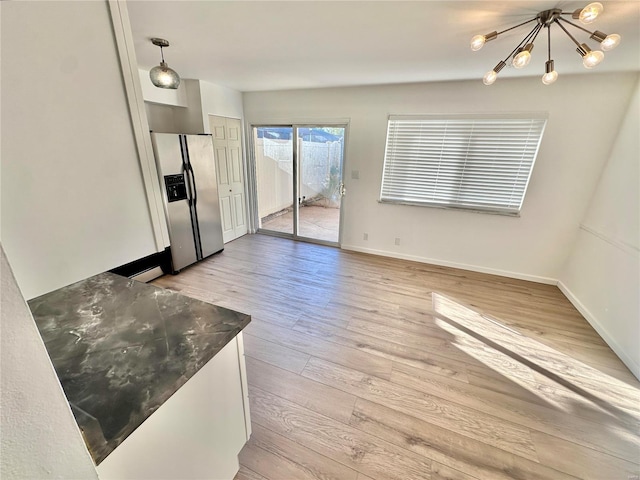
227, 145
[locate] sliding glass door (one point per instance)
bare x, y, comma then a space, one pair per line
299, 180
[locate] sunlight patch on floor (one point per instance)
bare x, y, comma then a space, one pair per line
522, 359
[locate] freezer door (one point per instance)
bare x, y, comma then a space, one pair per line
207, 209
168, 154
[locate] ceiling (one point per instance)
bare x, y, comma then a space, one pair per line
275, 45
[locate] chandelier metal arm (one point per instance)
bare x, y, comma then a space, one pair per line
523, 42
540, 26
567, 32
519, 25
577, 26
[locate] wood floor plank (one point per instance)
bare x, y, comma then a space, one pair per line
276, 457
457, 418
301, 342
246, 474
362, 476
588, 463
457, 451
494, 381
274, 354
581, 393
347, 445
315, 396
609, 432
378, 347
442, 472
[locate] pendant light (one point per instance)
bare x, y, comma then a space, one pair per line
162, 76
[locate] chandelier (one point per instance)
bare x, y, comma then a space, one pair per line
521, 55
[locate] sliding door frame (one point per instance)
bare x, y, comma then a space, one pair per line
253, 179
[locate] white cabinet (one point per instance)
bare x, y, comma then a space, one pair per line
195, 434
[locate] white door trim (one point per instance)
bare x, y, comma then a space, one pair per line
139, 123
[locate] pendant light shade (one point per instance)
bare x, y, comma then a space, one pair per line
162, 76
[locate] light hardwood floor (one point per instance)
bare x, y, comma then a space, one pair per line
363, 367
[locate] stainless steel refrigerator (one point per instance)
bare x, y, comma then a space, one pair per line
187, 172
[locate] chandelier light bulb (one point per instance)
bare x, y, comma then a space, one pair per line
611, 42
549, 78
550, 74
477, 42
593, 58
490, 77
522, 59
589, 13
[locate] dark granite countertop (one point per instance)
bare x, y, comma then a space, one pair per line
121, 348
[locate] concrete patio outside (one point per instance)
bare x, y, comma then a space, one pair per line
320, 223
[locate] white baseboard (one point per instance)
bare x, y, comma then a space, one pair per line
629, 361
463, 266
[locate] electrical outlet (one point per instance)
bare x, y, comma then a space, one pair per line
397, 241
355, 174
365, 236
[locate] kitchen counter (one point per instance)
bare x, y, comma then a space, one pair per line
121, 348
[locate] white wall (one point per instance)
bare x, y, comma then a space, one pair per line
533, 246
39, 438
169, 118
189, 120
187, 109
221, 101
73, 200
602, 274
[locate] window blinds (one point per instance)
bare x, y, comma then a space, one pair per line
475, 162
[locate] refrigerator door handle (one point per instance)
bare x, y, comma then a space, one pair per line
185, 172
192, 179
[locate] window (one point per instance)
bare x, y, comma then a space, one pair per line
477, 162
